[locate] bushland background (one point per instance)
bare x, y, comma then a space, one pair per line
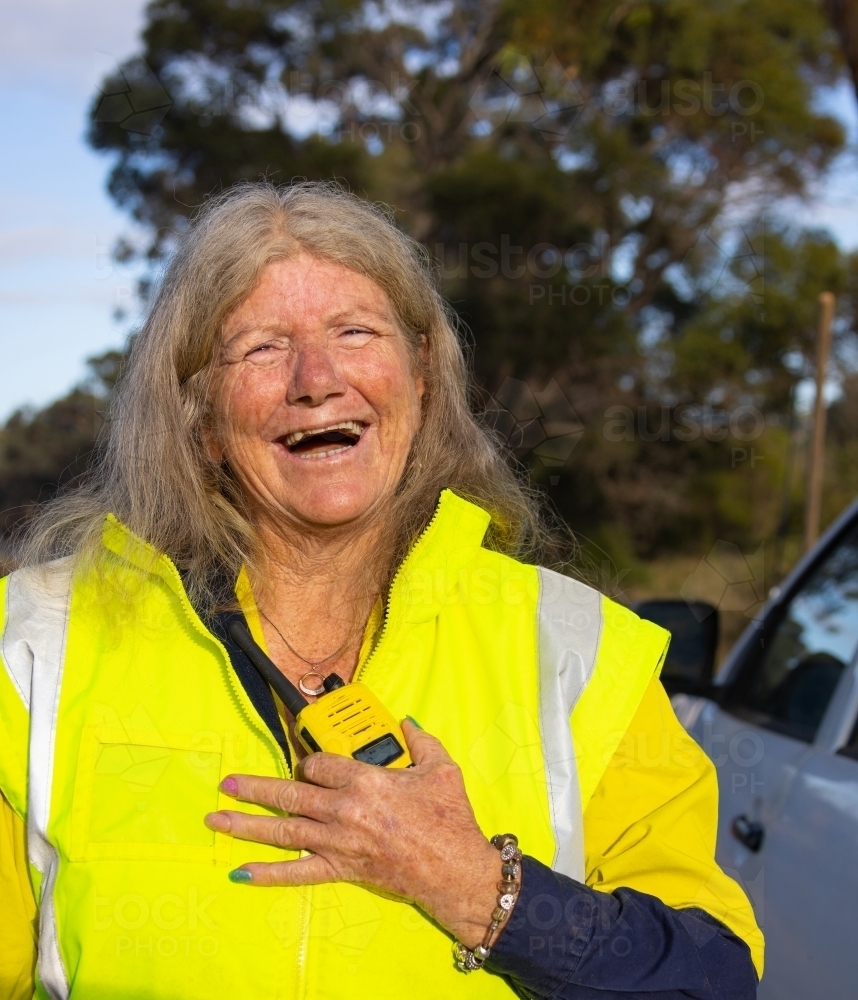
605, 190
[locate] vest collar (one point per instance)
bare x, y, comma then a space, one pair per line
425, 576
119, 539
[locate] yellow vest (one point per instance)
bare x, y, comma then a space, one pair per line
122, 714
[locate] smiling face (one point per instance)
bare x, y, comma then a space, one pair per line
317, 400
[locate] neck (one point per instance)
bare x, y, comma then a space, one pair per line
318, 588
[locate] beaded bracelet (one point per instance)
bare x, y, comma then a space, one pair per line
508, 888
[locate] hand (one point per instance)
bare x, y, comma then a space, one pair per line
410, 831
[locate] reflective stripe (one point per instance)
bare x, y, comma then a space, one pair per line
35, 636
16, 649
569, 627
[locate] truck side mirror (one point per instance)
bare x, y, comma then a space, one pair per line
690, 663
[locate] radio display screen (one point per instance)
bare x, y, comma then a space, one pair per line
380, 752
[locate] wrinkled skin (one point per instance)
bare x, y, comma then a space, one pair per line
314, 344
410, 832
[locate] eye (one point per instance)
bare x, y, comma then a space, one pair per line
267, 353
357, 336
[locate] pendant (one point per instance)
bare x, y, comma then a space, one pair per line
306, 689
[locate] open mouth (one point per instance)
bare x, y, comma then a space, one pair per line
322, 442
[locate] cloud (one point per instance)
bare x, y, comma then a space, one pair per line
45, 42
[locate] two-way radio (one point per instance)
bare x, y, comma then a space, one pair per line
347, 719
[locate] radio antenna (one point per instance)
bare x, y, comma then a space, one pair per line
289, 694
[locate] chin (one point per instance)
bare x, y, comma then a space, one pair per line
334, 505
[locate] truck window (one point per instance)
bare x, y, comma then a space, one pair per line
787, 686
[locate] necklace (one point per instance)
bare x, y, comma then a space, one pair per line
304, 682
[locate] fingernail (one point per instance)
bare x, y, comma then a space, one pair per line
240, 875
229, 786
413, 721
219, 822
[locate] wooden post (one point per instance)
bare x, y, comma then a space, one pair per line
816, 462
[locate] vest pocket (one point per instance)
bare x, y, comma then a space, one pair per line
144, 795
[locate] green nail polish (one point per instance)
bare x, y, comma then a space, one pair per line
240, 875
413, 721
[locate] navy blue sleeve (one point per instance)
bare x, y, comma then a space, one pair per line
569, 942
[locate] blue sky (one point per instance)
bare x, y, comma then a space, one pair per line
58, 285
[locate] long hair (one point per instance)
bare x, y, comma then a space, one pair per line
152, 470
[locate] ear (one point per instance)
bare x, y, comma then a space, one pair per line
213, 447
423, 349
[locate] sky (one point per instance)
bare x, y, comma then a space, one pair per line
59, 287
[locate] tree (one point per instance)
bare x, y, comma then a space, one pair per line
640, 116
44, 450
844, 16
574, 168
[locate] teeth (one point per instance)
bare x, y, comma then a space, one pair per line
325, 454
348, 426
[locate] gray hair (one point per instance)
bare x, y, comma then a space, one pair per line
152, 469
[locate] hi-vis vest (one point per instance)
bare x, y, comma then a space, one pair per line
121, 713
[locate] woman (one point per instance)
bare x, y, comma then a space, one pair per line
292, 448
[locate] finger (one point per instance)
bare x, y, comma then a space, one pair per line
422, 746
303, 871
279, 793
328, 770
282, 831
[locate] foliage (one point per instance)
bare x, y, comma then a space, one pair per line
578, 170
43, 450
844, 17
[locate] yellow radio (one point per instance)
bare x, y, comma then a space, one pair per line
347, 719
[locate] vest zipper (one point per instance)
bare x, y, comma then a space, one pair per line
391, 592
284, 762
304, 894
304, 902
227, 674
285, 765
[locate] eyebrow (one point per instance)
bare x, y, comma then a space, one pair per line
343, 314
337, 317
361, 310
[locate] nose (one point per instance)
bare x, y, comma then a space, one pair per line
314, 377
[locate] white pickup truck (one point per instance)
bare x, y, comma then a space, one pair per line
780, 721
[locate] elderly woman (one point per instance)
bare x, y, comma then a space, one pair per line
292, 448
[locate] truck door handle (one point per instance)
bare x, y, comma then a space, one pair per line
748, 832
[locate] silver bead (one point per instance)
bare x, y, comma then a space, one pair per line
467, 960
